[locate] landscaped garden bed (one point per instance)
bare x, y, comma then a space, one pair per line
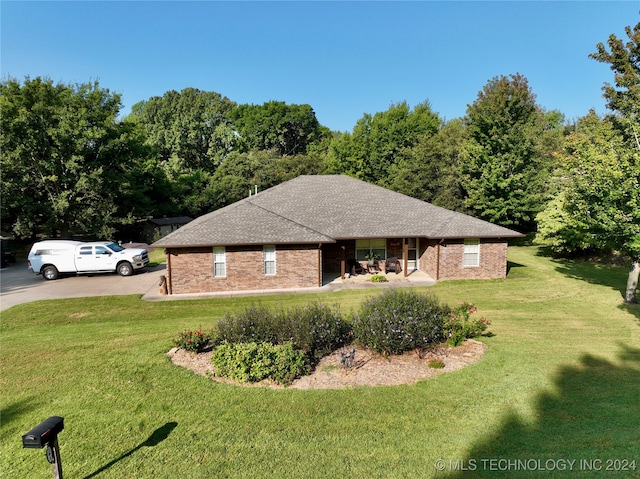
397, 337
369, 368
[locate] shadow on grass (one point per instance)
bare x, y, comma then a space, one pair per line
15, 410
156, 438
614, 277
592, 414
511, 265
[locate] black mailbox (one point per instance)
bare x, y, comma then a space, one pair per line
47, 430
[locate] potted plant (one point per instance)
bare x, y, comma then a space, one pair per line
371, 257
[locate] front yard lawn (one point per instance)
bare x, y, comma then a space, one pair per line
559, 382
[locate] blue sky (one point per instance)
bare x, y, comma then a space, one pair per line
342, 58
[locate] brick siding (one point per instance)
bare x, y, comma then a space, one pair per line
493, 260
192, 269
297, 266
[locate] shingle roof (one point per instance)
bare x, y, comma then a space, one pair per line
323, 209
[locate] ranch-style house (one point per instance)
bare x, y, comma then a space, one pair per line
311, 230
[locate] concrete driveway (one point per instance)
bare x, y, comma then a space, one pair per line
18, 285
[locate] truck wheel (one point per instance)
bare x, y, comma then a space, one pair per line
125, 269
50, 272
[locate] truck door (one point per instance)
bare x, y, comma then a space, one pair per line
94, 258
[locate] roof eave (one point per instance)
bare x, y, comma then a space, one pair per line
211, 245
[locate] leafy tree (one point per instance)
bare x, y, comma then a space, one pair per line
68, 165
507, 159
431, 170
191, 127
598, 206
289, 129
623, 99
349, 152
240, 174
378, 142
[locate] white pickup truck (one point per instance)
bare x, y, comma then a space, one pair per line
54, 257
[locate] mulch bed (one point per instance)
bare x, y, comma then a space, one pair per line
368, 369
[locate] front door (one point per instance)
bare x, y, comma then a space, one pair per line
412, 254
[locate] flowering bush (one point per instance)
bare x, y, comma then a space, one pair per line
252, 362
400, 320
459, 326
194, 341
316, 329
255, 323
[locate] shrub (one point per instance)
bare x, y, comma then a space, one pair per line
399, 320
194, 341
459, 326
316, 329
252, 362
378, 278
254, 323
436, 363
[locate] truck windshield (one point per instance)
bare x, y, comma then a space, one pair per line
115, 247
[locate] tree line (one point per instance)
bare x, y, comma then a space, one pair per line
72, 165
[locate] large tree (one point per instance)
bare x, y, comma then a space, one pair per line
597, 208
241, 174
289, 129
508, 153
431, 170
191, 127
623, 99
68, 165
598, 204
378, 142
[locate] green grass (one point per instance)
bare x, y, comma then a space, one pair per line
156, 257
560, 381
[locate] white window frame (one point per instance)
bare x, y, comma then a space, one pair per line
378, 245
471, 253
269, 260
219, 262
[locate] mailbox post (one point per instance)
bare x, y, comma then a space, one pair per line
46, 434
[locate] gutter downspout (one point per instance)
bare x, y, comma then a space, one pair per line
320, 265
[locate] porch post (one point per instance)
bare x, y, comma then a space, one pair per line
343, 261
405, 255
169, 275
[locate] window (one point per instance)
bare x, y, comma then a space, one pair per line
116, 247
219, 262
377, 246
471, 256
86, 250
270, 259
102, 250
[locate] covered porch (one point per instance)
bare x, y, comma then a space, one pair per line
414, 278
358, 259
